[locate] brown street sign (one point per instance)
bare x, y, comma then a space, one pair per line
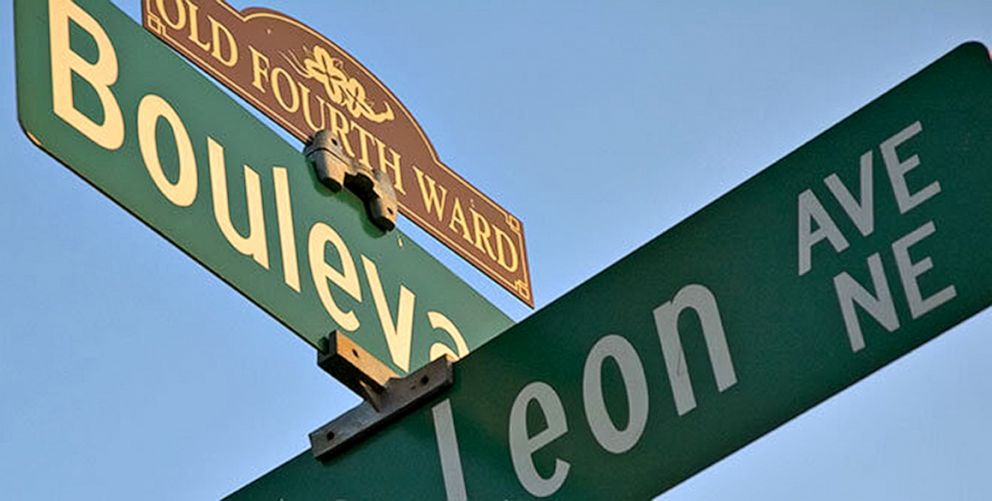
305, 83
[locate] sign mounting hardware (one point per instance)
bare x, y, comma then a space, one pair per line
387, 396
336, 169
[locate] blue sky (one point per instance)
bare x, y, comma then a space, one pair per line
129, 372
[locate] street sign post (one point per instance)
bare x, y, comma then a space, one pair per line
845, 255
306, 83
130, 117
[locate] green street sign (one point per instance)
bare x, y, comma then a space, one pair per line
845, 255
142, 126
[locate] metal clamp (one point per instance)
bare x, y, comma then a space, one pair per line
387, 396
335, 169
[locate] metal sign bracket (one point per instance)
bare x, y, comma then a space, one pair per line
387, 396
336, 169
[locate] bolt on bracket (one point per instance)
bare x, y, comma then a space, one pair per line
335, 169
387, 396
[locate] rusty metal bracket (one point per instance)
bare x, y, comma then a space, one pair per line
335, 169
356, 368
386, 395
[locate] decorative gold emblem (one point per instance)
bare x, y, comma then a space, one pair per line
341, 89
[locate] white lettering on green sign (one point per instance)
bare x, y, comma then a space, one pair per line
336, 268
524, 443
879, 304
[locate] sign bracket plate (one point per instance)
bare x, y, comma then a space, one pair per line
387, 396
